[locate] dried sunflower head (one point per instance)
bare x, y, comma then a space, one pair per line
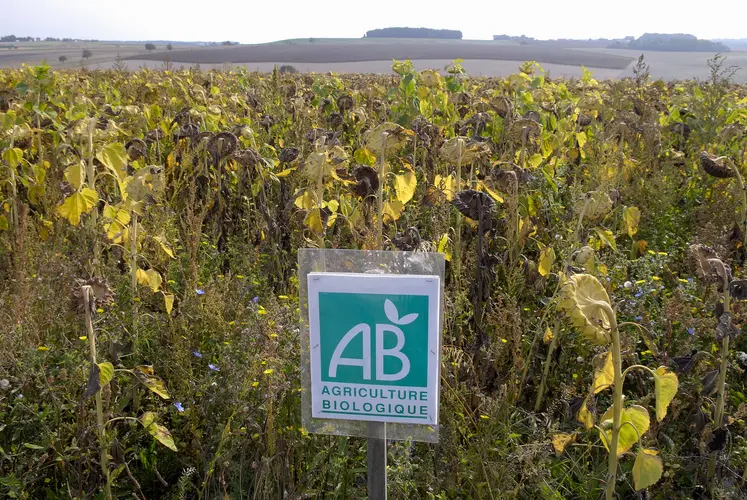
247, 157
288, 155
580, 299
366, 181
136, 149
103, 295
707, 264
595, 205
345, 103
715, 166
335, 120
154, 135
222, 145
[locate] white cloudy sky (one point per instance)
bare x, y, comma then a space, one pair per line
250, 21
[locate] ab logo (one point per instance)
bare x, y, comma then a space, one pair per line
364, 340
374, 343
387, 364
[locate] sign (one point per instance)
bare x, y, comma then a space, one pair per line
374, 347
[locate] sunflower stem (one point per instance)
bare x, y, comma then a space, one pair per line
718, 420
103, 456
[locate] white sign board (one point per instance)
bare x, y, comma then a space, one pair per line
374, 347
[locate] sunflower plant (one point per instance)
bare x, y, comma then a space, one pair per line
587, 305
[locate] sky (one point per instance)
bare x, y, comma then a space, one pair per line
256, 21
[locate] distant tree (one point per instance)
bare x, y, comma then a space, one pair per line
87, 53
169, 47
149, 47
9, 38
414, 33
287, 68
62, 59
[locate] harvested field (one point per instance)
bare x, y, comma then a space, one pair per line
357, 51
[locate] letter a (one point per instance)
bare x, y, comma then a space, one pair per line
364, 362
396, 352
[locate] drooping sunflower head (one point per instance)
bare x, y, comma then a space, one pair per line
582, 297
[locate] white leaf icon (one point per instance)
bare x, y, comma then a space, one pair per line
391, 311
407, 319
393, 315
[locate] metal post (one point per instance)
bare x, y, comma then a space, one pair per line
376, 452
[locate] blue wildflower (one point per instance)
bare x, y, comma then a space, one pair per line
197, 354
638, 294
691, 331
255, 299
200, 291
638, 319
213, 367
179, 406
691, 280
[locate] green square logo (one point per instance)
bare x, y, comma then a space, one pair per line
374, 347
368, 338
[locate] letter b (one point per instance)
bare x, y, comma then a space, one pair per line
395, 352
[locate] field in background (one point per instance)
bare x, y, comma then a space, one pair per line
482, 58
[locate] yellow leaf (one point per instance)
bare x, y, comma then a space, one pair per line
151, 381
75, 174
4, 223
114, 157
581, 138
77, 204
284, 173
535, 160
607, 237
548, 335
393, 210
164, 246
404, 185
305, 201
561, 440
665, 388
632, 217
333, 206
142, 277
585, 417
647, 469
13, 156
447, 185
546, 260
443, 246
168, 301
492, 194
106, 373
314, 221
161, 433
605, 377
154, 279
639, 421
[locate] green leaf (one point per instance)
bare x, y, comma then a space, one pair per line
161, 433
404, 185
546, 260
665, 388
631, 217
607, 237
637, 419
31, 446
106, 373
151, 381
77, 204
605, 377
647, 469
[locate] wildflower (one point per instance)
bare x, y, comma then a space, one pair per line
627, 284
197, 354
691, 331
638, 294
4, 384
255, 299
200, 291
179, 406
638, 319
213, 367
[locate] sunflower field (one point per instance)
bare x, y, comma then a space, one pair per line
594, 233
